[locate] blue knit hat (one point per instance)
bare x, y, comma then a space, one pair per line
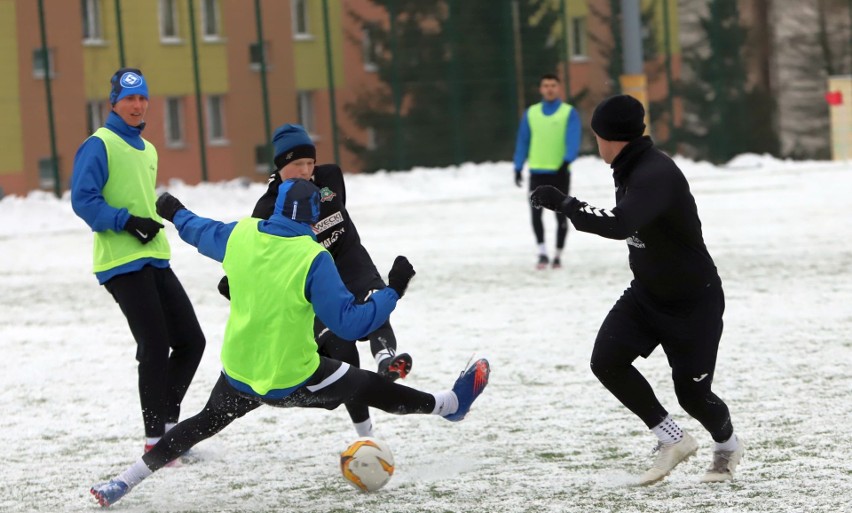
292, 142
299, 200
125, 82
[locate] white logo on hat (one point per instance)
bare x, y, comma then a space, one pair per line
130, 80
289, 156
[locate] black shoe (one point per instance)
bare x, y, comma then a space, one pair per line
542, 262
395, 367
556, 263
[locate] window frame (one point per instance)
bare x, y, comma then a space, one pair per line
369, 49
162, 9
221, 138
306, 110
39, 73
301, 21
93, 33
205, 19
579, 39
96, 114
174, 106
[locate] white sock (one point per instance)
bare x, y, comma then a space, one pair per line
668, 431
446, 403
382, 355
152, 440
364, 428
729, 445
169, 426
135, 473
542, 249
558, 254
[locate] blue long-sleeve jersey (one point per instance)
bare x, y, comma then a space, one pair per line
89, 177
572, 136
331, 300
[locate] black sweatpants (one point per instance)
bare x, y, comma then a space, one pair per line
562, 181
690, 338
332, 384
169, 341
336, 348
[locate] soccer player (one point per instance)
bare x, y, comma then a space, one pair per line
279, 278
295, 157
548, 140
112, 190
675, 299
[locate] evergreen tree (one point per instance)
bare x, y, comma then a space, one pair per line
448, 92
724, 117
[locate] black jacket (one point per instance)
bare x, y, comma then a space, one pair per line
656, 213
334, 230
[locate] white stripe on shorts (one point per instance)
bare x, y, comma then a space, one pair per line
343, 369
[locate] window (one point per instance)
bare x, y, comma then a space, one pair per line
42, 62
174, 122
215, 120
578, 37
92, 21
263, 158
210, 21
369, 49
169, 21
95, 115
255, 55
372, 139
300, 19
306, 110
46, 176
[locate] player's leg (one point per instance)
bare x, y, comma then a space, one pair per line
563, 183
624, 336
335, 383
537, 223
391, 365
187, 341
691, 349
334, 347
224, 406
138, 296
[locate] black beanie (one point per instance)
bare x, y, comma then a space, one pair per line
619, 118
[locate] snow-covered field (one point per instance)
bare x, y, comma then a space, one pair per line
544, 437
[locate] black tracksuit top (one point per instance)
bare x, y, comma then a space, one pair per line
334, 230
656, 213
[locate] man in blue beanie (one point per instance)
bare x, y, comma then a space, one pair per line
295, 157
279, 279
675, 299
112, 190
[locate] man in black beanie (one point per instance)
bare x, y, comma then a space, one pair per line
675, 299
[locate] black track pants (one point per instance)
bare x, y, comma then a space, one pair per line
332, 384
169, 341
690, 339
562, 181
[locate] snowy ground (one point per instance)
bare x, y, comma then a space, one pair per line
544, 437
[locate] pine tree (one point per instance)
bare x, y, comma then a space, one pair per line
724, 117
448, 92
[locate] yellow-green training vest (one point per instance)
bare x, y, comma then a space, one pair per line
131, 184
269, 340
547, 137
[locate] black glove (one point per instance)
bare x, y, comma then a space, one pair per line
168, 205
224, 287
546, 196
518, 180
143, 228
400, 274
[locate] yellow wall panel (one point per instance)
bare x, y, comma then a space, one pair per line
11, 142
167, 64
310, 55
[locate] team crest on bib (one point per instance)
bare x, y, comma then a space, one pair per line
326, 194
